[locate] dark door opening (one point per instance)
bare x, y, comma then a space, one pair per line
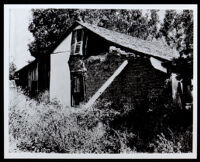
77, 89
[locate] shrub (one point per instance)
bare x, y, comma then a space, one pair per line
143, 123
49, 127
163, 145
176, 143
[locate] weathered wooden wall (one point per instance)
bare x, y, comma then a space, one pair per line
33, 79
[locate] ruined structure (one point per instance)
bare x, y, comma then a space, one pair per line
90, 62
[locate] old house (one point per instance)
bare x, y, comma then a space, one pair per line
91, 62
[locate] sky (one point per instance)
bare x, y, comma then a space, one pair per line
20, 37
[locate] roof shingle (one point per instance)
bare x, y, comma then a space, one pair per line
154, 48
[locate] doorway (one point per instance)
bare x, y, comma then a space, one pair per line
77, 88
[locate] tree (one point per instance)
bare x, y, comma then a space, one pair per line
12, 69
48, 25
153, 24
177, 29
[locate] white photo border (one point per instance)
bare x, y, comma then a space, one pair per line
8, 155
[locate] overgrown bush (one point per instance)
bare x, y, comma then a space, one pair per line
47, 126
154, 122
163, 145
176, 143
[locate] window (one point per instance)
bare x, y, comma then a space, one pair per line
77, 42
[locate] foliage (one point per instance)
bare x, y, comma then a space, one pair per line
165, 146
47, 27
177, 29
46, 126
12, 69
176, 143
155, 125
49, 127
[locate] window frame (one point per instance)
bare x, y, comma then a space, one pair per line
75, 43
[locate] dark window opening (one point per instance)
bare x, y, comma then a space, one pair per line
79, 35
96, 45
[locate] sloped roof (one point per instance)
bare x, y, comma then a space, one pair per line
26, 66
155, 48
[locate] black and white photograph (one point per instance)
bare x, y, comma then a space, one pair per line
100, 81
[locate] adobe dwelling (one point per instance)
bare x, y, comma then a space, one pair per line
91, 62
